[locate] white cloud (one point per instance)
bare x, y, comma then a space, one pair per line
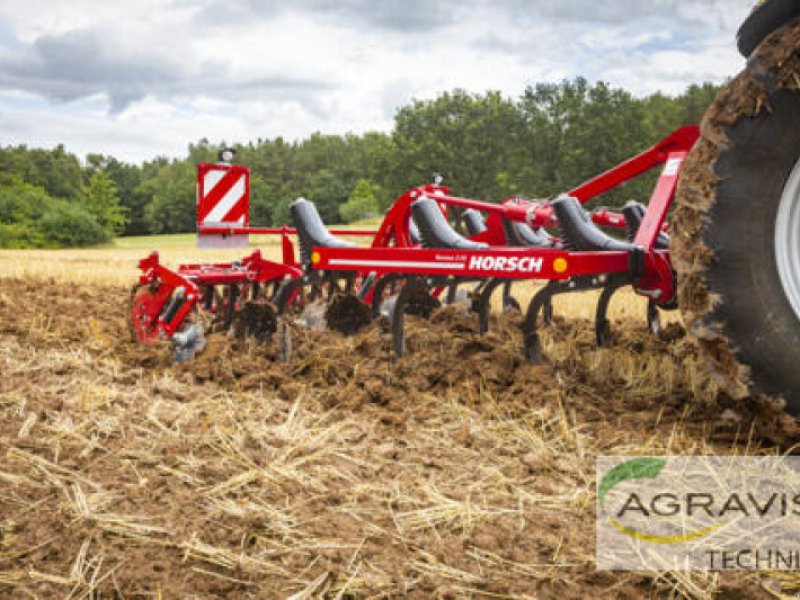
147, 78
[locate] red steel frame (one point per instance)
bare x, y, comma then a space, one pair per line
656, 281
393, 251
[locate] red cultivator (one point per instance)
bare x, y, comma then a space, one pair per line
738, 209
417, 260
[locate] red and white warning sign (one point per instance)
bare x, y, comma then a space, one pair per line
223, 195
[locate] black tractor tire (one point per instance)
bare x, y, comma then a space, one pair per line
765, 19
723, 246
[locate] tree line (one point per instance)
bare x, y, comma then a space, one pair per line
486, 146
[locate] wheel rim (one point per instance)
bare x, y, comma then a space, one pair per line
787, 239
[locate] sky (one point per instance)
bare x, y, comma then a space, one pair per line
146, 78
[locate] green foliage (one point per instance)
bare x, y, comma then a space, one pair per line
551, 139
101, 199
172, 192
20, 235
473, 141
328, 191
126, 178
22, 203
362, 202
58, 172
577, 131
68, 224
30, 218
262, 201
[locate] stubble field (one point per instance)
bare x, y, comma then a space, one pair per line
457, 471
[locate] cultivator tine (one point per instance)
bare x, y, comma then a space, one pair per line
284, 341
653, 318
542, 303
413, 286
509, 302
230, 307
602, 326
484, 304
479, 288
547, 311
366, 286
349, 283
208, 297
286, 290
274, 287
382, 284
532, 344
452, 289
321, 291
314, 290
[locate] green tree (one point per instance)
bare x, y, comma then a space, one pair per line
262, 202
575, 131
30, 218
361, 202
472, 140
126, 178
68, 224
56, 171
101, 199
22, 207
327, 191
173, 191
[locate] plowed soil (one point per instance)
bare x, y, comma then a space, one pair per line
457, 471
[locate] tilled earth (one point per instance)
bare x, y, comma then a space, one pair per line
457, 471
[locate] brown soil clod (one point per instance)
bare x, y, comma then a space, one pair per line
347, 314
256, 320
422, 304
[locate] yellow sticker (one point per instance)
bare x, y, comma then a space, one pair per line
560, 265
315, 258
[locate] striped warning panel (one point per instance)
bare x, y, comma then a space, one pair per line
223, 195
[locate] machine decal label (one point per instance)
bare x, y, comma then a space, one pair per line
508, 264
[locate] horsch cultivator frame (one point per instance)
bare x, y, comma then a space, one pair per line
737, 255
416, 254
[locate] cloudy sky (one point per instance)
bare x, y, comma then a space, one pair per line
141, 78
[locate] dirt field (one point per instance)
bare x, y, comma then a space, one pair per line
457, 471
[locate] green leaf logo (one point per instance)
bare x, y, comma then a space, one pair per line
637, 468
642, 468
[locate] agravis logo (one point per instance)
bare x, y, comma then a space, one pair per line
641, 468
698, 513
